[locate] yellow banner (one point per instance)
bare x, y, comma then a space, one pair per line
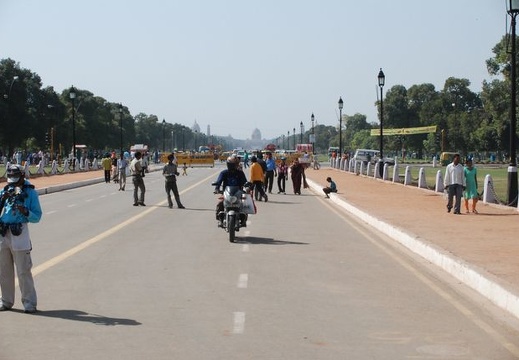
405, 131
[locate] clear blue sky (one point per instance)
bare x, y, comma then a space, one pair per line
237, 65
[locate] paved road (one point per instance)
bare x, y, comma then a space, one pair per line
306, 281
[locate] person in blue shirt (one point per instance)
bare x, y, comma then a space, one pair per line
232, 176
19, 205
330, 188
270, 173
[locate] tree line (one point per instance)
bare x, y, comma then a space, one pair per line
33, 117
468, 122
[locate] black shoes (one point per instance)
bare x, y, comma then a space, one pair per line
30, 311
4, 308
181, 207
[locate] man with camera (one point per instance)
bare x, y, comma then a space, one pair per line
19, 205
170, 172
137, 172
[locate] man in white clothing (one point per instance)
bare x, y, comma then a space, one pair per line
454, 183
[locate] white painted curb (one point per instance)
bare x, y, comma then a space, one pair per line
476, 278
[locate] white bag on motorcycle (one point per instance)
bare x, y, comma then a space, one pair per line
249, 207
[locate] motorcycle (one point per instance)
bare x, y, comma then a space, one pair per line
236, 207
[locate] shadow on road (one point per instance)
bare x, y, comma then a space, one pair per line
77, 315
267, 241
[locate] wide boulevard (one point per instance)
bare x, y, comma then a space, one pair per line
303, 281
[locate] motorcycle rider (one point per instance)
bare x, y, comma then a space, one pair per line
232, 176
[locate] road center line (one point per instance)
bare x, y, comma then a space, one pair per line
76, 249
243, 281
239, 323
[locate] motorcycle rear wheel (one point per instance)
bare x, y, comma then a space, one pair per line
231, 225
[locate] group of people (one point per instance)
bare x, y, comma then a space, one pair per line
461, 181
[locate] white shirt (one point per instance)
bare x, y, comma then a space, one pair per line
454, 174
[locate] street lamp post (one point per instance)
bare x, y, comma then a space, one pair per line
183, 142
72, 95
163, 136
294, 135
288, 140
8, 95
301, 126
341, 104
121, 126
381, 82
513, 10
313, 134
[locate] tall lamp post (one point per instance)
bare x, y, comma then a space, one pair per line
8, 95
121, 127
163, 136
513, 10
72, 95
294, 135
341, 104
301, 126
288, 140
381, 82
313, 133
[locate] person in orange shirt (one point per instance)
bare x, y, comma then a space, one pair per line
256, 177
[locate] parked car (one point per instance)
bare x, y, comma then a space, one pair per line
371, 155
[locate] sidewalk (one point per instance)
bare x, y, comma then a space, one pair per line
481, 250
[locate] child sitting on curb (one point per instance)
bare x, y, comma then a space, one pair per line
331, 188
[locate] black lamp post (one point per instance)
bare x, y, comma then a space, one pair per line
381, 82
163, 136
513, 10
183, 142
288, 140
341, 104
8, 95
283, 141
313, 133
121, 126
301, 126
72, 95
294, 135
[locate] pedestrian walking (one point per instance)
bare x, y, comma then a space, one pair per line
282, 175
122, 164
297, 173
256, 178
454, 183
271, 172
19, 205
170, 172
184, 169
137, 173
106, 163
471, 191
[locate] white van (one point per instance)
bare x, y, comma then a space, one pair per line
366, 155
370, 155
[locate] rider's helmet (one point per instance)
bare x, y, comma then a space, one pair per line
14, 173
232, 163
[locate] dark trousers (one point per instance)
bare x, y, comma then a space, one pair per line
269, 180
171, 186
258, 189
107, 175
455, 190
281, 182
138, 183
